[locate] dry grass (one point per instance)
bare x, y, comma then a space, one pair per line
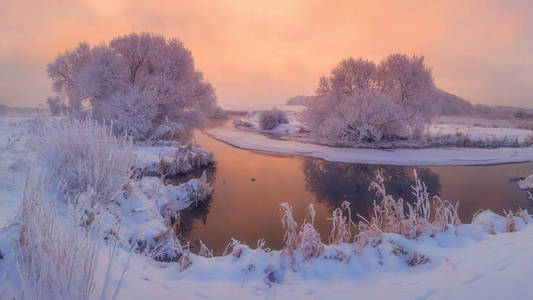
341, 231
389, 215
303, 241
57, 261
461, 139
411, 221
86, 157
510, 224
204, 251
55, 258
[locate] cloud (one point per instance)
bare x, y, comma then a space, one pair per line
267, 51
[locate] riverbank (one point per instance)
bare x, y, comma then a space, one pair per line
445, 156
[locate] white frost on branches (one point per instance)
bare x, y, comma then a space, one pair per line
137, 81
364, 102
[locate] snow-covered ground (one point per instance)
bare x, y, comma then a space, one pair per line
505, 136
471, 265
464, 262
403, 157
526, 183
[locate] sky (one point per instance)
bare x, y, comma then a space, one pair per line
264, 52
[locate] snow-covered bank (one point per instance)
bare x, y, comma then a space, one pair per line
409, 257
171, 159
402, 157
442, 131
472, 267
526, 183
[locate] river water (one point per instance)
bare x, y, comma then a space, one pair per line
250, 186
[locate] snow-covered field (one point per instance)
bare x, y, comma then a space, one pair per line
470, 265
481, 136
478, 260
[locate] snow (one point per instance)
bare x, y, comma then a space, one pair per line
403, 157
471, 264
14, 158
143, 211
466, 263
526, 184
473, 132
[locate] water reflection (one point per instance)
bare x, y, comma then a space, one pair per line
196, 213
248, 209
332, 183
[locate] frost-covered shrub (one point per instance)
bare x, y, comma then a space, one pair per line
168, 131
199, 189
368, 117
171, 199
172, 160
83, 156
271, 119
243, 123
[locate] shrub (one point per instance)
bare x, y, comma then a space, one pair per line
271, 119
368, 117
83, 156
181, 160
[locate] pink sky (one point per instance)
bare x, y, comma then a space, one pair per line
267, 51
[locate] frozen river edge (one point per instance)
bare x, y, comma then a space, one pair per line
445, 156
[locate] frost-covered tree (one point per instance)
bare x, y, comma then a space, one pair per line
410, 82
64, 73
360, 101
137, 81
405, 78
350, 77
